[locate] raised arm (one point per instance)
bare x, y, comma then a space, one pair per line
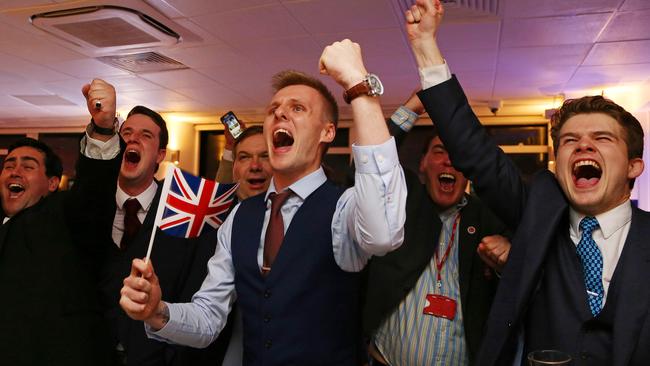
496, 179
370, 217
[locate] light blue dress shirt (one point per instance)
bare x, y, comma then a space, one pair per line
369, 220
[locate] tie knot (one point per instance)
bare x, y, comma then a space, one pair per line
588, 224
131, 206
278, 199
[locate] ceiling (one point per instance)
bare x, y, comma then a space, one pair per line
524, 53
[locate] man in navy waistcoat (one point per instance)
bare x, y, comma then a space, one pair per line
299, 306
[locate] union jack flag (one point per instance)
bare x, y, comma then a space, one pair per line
192, 204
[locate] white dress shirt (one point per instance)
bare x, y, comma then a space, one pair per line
609, 236
145, 198
369, 220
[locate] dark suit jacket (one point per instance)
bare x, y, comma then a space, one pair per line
536, 211
391, 277
181, 267
49, 312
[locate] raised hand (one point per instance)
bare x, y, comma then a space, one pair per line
343, 62
422, 23
99, 91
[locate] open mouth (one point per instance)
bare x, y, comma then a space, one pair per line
586, 173
256, 182
15, 189
282, 138
447, 182
132, 156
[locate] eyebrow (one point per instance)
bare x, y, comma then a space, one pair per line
594, 133
28, 158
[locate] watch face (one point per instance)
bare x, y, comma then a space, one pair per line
376, 87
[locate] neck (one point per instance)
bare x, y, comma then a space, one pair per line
133, 188
282, 180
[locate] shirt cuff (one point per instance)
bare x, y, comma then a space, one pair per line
166, 332
404, 118
434, 75
227, 155
375, 159
102, 150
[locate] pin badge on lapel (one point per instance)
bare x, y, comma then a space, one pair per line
471, 230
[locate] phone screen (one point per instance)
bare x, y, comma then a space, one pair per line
230, 120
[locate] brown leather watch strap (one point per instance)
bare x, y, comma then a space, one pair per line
360, 89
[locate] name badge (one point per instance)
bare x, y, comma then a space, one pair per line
440, 306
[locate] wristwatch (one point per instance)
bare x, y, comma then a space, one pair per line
104, 130
370, 85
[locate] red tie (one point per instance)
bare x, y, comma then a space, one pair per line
131, 222
274, 230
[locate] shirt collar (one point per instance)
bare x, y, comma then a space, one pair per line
609, 222
304, 186
453, 209
145, 198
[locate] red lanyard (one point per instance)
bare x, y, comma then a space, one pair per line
441, 263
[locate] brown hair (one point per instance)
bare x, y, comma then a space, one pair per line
287, 78
597, 104
248, 132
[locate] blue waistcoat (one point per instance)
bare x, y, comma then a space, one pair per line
305, 311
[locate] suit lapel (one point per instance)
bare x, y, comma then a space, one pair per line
634, 293
467, 241
538, 231
4, 228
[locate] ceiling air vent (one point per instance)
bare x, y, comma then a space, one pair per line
106, 29
141, 63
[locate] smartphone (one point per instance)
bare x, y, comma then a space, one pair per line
232, 123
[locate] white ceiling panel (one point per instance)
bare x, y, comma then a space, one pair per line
278, 51
632, 25
541, 57
611, 75
11, 4
176, 79
531, 49
472, 60
545, 8
233, 27
191, 8
206, 56
377, 42
29, 70
635, 5
317, 16
552, 30
217, 98
87, 68
477, 84
631, 52
546, 81
482, 35
132, 83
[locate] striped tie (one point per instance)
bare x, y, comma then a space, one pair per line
592, 264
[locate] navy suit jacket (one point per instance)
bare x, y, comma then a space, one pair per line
50, 311
181, 267
536, 211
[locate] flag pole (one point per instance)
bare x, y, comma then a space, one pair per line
161, 208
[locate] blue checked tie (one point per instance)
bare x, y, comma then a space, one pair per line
592, 264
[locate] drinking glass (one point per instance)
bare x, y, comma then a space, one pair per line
548, 357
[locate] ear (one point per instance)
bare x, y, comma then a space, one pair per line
422, 163
161, 155
53, 183
328, 133
634, 168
